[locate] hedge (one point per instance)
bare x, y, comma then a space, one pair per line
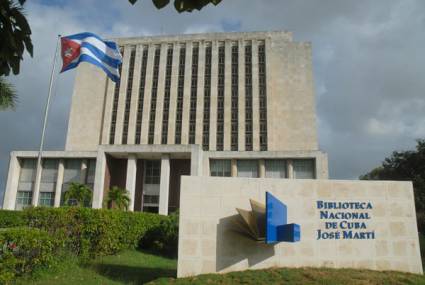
92, 232
10, 219
81, 231
22, 250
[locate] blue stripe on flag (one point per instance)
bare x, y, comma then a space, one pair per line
101, 55
87, 58
81, 36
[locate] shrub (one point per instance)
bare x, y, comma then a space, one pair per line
163, 238
10, 219
91, 232
22, 250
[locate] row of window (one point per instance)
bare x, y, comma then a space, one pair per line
274, 168
73, 172
234, 82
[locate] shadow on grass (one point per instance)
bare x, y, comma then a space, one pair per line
133, 274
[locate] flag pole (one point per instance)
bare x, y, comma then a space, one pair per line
36, 188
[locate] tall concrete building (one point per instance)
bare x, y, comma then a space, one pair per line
220, 104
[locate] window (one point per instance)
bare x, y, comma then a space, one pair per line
248, 168
115, 106
220, 97
153, 172
275, 168
193, 94
262, 95
49, 175
234, 102
248, 97
128, 96
46, 199
166, 104
72, 173
154, 93
27, 175
303, 168
180, 93
23, 199
220, 167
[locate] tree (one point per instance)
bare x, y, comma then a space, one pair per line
78, 195
118, 197
406, 166
7, 95
182, 5
15, 35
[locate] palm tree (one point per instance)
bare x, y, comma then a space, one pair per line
118, 197
7, 95
78, 195
15, 35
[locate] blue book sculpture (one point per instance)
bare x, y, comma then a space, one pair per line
267, 223
277, 227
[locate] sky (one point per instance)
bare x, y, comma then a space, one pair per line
368, 67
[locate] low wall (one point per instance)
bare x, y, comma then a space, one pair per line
344, 224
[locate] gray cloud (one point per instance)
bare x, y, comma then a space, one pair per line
368, 65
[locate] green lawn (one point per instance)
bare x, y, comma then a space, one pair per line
127, 267
135, 267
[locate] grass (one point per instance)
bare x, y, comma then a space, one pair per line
301, 276
127, 267
136, 267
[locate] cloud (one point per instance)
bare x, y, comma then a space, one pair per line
367, 55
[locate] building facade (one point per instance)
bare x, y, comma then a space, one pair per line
220, 104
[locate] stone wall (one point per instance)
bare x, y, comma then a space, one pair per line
208, 244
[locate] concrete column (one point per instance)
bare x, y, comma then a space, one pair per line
196, 161
147, 95
36, 187
186, 92
107, 111
84, 171
164, 184
200, 95
290, 169
173, 95
255, 99
131, 138
122, 94
234, 168
99, 180
130, 184
9, 199
160, 94
227, 95
59, 182
261, 168
213, 103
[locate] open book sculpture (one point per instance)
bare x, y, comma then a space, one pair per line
267, 223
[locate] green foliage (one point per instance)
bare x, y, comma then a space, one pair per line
22, 250
406, 166
118, 198
164, 237
182, 5
8, 95
78, 195
15, 35
10, 219
91, 232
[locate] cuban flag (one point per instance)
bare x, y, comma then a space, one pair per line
91, 48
